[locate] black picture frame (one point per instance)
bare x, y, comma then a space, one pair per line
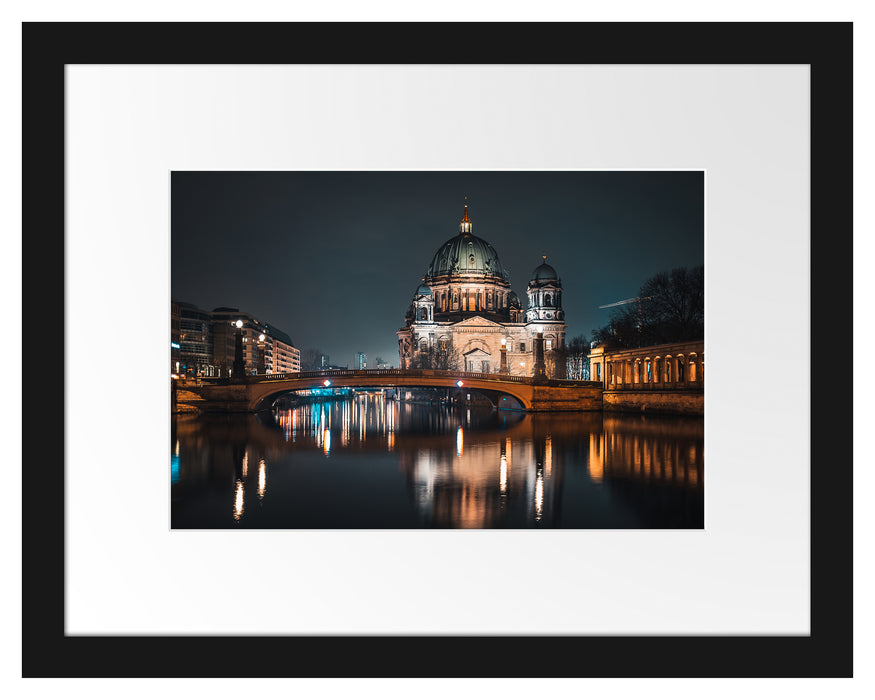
49, 47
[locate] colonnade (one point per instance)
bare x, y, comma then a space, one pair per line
679, 371
455, 299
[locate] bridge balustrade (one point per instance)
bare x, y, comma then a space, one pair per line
318, 374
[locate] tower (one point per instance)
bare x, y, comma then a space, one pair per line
545, 318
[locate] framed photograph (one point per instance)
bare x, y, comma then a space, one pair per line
396, 422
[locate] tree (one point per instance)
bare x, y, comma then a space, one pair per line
672, 310
556, 363
576, 354
675, 310
311, 359
442, 357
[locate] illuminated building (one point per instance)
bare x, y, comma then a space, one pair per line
273, 354
464, 308
191, 341
667, 366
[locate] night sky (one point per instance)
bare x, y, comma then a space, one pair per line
333, 258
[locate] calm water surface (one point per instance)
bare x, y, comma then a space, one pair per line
370, 462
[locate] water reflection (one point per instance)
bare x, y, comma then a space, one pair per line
370, 462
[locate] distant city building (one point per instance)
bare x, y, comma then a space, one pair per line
273, 354
191, 342
465, 307
361, 360
382, 364
174, 337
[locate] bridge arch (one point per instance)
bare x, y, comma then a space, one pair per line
513, 393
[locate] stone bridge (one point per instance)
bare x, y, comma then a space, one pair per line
258, 392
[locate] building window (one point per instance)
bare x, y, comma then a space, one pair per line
549, 344
681, 369
649, 372
598, 371
522, 347
668, 370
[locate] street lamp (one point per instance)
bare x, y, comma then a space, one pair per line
326, 383
261, 369
239, 366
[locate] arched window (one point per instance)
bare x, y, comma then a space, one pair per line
548, 300
649, 371
668, 369
610, 372
423, 314
681, 368
423, 345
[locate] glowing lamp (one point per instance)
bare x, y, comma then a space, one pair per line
261, 337
459, 383
327, 382
540, 329
239, 323
504, 341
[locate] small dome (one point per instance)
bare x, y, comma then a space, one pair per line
544, 272
423, 291
513, 301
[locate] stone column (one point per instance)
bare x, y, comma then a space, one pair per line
503, 368
539, 371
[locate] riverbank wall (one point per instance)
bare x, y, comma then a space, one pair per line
690, 402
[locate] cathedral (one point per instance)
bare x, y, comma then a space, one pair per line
464, 313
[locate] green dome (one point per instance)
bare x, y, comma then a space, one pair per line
466, 254
423, 291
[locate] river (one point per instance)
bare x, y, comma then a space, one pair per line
371, 462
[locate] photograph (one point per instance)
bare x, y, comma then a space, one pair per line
437, 349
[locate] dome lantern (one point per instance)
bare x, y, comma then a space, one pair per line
466, 226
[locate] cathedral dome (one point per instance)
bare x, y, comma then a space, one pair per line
423, 291
544, 272
466, 254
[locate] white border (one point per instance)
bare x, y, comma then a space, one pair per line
748, 573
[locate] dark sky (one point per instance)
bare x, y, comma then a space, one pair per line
333, 258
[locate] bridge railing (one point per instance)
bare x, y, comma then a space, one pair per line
318, 374
370, 373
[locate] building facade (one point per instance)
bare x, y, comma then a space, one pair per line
465, 316
667, 366
191, 341
266, 350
